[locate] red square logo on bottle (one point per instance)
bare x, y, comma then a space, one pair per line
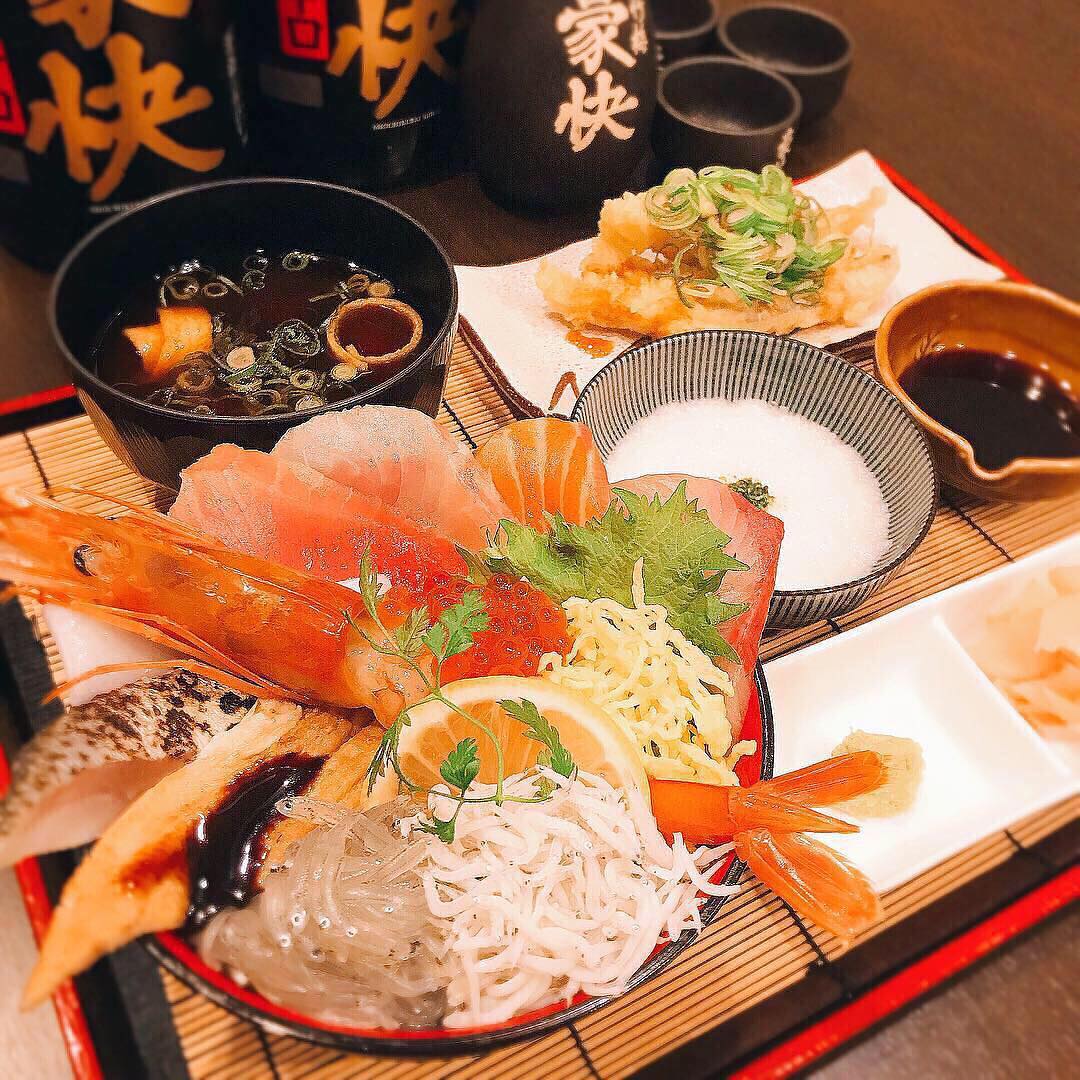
12, 119
304, 29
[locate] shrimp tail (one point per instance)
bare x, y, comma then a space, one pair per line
814, 879
708, 813
830, 781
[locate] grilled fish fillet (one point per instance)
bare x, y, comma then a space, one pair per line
135, 880
341, 780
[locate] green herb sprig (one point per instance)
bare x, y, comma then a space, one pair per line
753, 233
451, 634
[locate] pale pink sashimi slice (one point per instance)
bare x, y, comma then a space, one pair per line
406, 460
281, 510
755, 540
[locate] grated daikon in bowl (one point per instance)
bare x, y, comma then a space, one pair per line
836, 521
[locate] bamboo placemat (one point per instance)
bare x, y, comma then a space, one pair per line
759, 968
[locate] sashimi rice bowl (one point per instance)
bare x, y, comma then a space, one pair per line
399, 745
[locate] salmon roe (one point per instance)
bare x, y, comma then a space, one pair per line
523, 625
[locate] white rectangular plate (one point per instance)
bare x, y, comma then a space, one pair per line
507, 311
906, 674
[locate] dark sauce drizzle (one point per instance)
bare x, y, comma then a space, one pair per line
228, 846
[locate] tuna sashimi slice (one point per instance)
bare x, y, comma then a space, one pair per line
404, 459
547, 466
279, 509
755, 540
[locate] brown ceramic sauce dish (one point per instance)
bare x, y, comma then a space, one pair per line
1033, 331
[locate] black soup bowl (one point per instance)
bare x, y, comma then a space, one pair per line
121, 256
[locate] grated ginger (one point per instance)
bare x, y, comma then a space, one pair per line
658, 686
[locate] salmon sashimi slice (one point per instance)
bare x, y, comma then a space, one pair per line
547, 466
404, 459
755, 540
135, 880
277, 509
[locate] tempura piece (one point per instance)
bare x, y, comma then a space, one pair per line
724, 249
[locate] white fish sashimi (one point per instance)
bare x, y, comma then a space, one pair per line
75, 777
86, 643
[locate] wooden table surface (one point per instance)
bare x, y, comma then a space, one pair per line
974, 101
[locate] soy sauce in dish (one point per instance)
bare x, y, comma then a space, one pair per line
1004, 407
263, 351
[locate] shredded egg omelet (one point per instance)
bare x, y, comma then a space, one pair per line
654, 683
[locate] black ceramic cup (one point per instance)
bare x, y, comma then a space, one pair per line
123, 254
811, 49
684, 28
719, 111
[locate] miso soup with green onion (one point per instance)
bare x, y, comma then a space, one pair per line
247, 336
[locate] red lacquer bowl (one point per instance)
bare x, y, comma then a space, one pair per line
175, 954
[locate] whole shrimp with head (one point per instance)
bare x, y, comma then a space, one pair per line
242, 580
250, 624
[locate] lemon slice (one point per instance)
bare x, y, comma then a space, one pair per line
594, 741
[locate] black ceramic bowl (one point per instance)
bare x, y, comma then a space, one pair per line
713, 110
124, 253
809, 48
684, 28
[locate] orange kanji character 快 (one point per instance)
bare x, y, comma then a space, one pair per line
144, 101
91, 20
419, 28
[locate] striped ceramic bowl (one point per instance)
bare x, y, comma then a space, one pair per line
737, 364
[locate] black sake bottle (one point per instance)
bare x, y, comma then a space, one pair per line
558, 98
361, 92
104, 104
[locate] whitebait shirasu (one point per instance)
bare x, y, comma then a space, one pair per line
374, 923
656, 684
538, 902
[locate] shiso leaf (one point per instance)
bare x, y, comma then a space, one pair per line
682, 550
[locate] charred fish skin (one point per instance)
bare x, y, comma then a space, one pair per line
135, 880
162, 717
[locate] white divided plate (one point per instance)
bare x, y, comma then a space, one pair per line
906, 674
967, 604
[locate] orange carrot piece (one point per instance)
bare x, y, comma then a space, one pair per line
147, 341
184, 330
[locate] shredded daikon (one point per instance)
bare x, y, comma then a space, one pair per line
538, 902
654, 683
